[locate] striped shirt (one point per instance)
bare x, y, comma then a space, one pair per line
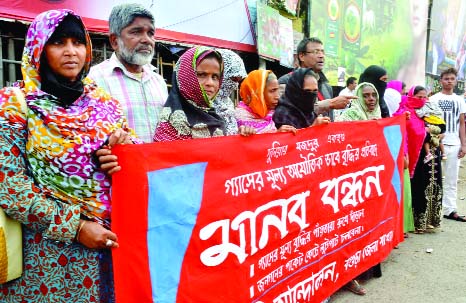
452, 106
141, 98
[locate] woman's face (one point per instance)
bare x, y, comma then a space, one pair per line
370, 97
66, 57
422, 94
271, 93
310, 84
384, 78
208, 75
403, 90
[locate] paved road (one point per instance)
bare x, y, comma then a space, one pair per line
412, 275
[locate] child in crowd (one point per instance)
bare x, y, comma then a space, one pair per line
432, 115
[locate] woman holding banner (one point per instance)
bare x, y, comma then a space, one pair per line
259, 97
296, 107
188, 112
259, 94
234, 72
50, 128
366, 107
426, 178
377, 76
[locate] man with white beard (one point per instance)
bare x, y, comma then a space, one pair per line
128, 75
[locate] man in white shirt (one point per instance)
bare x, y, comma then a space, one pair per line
350, 89
454, 108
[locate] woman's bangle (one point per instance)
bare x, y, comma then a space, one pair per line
80, 227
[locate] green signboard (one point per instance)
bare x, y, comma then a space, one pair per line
359, 33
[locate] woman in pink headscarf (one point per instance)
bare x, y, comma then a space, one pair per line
426, 178
395, 89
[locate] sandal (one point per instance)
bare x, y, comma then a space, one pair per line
454, 216
430, 229
355, 287
419, 231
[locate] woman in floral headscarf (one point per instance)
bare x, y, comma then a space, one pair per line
50, 128
188, 112
234, 72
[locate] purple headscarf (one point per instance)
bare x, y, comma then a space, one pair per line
396, 85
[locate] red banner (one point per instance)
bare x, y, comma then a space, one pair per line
267, 218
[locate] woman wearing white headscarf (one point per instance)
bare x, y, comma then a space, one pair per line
234, 72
